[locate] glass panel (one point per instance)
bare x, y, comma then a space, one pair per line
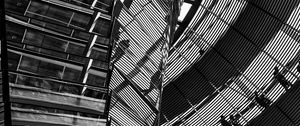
16, 6
102, 6
102, 27
88, 115
33, 38
78, 51
59, 13
59, 29
93, 94
48, 46
54, 43
28, 81
72, 89
71, 74
54, 14
14, 33
100, 59
39, 83
51, 85
49, 69
37, 10
54, 27
41, 67
81, 35
80, 20
75, 49
12, 78
13, 61
78, 59
102, 40
95, 54
32, 48
95, 80
54, 53
29, 64
100, 64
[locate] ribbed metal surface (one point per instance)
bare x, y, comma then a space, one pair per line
250, 49
284, 112
140, 26
227, 52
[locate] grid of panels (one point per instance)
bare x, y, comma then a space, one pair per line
58, 62
255, 77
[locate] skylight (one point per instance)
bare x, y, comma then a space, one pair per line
184, 10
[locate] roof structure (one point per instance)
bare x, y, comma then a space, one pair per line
228, 57
225, 50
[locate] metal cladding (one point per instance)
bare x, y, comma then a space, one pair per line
226, 53
224, 56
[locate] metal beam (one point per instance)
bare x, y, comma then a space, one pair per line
4, 68
110, 66
172, 16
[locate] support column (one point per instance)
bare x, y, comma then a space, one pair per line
4, 68
174, 11
87, 53
110, 66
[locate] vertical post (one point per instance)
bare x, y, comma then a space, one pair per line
4, 68
107, 107
111, 43
174, 11
110, 65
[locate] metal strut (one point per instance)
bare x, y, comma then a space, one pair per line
171, 19
4, 67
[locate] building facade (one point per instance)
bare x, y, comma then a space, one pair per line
58, 54
224, 51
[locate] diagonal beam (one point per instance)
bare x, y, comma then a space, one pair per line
174, 11
137, 90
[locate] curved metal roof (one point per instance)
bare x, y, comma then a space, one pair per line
224, 53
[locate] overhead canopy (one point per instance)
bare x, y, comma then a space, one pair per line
225, 52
